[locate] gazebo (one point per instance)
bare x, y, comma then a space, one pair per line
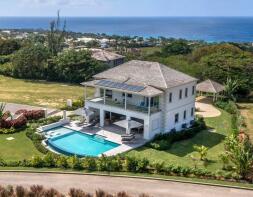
210, 87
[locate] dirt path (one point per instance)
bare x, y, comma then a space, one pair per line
247, 112
205, 108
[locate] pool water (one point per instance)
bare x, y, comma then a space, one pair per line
80, 144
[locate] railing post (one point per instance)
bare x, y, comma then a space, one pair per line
149, 103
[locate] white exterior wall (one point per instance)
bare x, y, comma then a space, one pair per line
160, 122
178, 106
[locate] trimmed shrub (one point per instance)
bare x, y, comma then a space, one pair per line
32, 114
89, 163
75, 163
62, 162
164, 141
37, 162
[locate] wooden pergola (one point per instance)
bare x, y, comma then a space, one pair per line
210, 88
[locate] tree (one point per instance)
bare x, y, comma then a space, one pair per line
178, 47
73, 66
55, 37
231, 88
8, 46
223, 61
93, 44
240, 153
30, 62
202, 150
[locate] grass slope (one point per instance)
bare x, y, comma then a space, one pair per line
39, 93
18, 149
180, 152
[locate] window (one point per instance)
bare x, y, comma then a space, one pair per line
180, 94
186, 92
192, 111
176, 118
170, 97
193, 90
128, 95
108, 93
184, 114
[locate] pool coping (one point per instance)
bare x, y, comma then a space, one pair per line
123, 147
68, 153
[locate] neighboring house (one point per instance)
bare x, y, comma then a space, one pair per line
110, 58
159, 97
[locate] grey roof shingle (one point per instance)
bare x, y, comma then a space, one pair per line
147, 74
210, 86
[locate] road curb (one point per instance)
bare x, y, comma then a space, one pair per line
128, 176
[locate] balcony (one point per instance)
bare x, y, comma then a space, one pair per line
110, 102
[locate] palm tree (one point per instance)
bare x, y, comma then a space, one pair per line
2, 107
56, 36
231, 87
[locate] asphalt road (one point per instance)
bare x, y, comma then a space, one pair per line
89, 183
13, 107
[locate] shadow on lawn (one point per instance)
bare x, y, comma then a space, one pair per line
205, 138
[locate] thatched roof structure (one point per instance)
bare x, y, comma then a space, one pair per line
210, 86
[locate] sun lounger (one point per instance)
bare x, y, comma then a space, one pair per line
127, 137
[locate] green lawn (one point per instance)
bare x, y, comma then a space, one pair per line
180, 152
39, 93
18, 149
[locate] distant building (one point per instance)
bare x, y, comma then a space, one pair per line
110, 58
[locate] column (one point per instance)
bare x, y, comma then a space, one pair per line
146, 128
102, 118
85, 94
128, 128
125, 101
104, 96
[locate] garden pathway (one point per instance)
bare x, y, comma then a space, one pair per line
205, 108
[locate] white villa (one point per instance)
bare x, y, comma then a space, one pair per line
160, 98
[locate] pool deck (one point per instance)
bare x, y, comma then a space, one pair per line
112, 133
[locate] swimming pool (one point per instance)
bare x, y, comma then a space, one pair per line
80, 144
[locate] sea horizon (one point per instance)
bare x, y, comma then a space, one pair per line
206, 28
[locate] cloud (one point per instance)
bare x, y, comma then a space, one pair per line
61, 2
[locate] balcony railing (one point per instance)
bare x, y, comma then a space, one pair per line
129, 106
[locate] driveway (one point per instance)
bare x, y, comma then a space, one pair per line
134, 186
205, 108
13, 107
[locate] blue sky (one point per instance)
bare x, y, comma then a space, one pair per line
127, 7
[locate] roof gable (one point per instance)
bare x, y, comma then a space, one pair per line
147, 74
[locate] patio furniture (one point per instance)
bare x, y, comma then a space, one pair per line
127, 138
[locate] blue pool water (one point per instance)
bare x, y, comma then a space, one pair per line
80, 144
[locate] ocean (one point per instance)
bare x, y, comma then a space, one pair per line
210, 29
